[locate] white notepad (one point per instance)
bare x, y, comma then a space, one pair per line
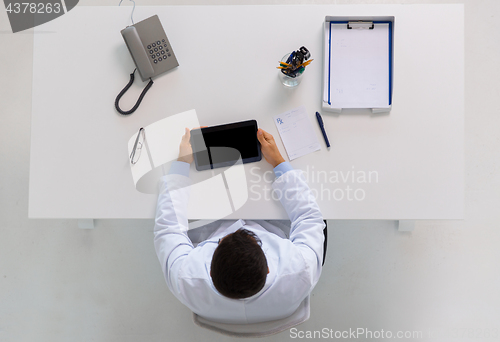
297, 133
359, 67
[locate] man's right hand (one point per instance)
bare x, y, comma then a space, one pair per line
269, 148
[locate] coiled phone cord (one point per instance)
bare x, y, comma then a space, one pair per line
124, 90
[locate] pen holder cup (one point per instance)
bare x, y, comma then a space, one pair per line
289, 81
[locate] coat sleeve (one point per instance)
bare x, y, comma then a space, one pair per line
171, 241
307, 224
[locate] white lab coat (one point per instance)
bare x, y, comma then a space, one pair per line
294, 263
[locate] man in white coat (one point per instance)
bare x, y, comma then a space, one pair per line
245, 272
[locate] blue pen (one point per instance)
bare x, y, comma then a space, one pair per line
322, 126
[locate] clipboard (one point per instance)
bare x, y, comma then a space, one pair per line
358, 63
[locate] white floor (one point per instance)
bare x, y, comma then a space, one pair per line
61, 283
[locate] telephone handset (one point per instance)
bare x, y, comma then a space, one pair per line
152, 54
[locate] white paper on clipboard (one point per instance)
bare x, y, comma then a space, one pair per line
359, 67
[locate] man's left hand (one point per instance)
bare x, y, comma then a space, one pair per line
185, 149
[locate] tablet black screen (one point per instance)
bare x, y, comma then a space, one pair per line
240, 137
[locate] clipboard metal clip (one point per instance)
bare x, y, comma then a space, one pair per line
360, 25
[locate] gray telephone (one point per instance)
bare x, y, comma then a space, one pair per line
152, 54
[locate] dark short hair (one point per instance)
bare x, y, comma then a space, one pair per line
239, 266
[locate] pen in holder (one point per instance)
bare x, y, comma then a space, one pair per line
292, 67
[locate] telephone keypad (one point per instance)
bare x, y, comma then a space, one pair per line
157, 51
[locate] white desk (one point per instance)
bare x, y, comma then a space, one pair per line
79, 161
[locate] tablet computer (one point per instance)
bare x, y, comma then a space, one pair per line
224, 145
